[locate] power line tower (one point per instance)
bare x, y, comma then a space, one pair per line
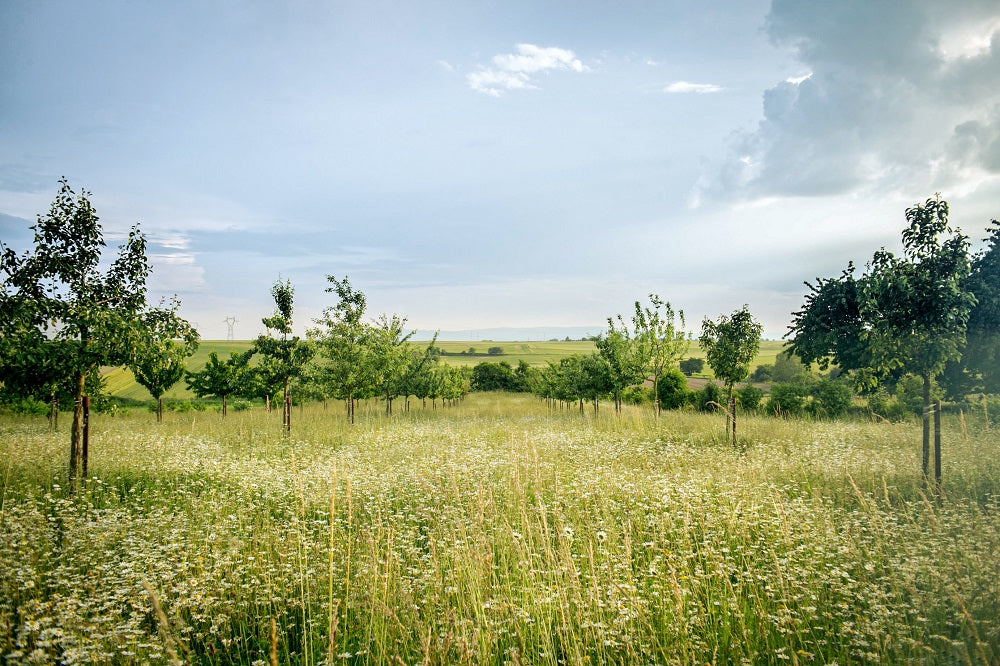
230, 322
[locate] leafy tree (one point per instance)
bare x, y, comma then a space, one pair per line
982, 354
750, 397
488, 376
160, 362
831, 397
730, 345
830, 327
692, 366
286, 356
388, 357
65, 317
917, 306
220, 379
595, 376
621, 353
343, 343
788, 369
788, 399
660, 339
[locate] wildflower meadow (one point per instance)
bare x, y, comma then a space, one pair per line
498, 531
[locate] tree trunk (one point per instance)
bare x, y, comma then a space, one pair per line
76, 435
926, 448
730, 411
53, 411
159, 409
656, 393
223, 405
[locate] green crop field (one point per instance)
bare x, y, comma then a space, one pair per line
497, 531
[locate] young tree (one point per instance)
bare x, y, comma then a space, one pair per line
619, 349
660, 338
220, 379
982, 353
286, 356
730, 345
388, 360
917, 306
159, 364
343, 343
57, 303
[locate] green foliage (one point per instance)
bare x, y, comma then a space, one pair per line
981, 359
788, 369
750, 397
830, 326
495, 351
621, 353
710, 398
730, 345
787, 399
832, 398
692, 366
762, 374
220, 379
673, 389
66, 313
660, 339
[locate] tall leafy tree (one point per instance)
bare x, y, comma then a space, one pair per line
618, 348
343, 343
660, 339
982, 354
284, 356
64, 313
389, 357
160, 362
830, 327
730, 344
917, 306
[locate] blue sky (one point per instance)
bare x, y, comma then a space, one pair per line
480, 164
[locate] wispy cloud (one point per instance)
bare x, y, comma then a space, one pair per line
517, 71
687, 87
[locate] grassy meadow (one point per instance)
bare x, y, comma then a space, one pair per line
499, 532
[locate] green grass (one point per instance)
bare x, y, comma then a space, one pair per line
497, 531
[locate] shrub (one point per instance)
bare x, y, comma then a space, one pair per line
637, 395
787, 399
495, 351
708, 394
750, 397
673, 389
832, 398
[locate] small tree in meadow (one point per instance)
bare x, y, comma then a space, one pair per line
219, 379
730, 344
660, 339
160, 362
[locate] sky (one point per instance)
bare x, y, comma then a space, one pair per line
473, 165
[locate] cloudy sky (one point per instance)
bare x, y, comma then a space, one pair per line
480, 164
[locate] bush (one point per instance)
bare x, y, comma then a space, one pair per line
691, 366
832, 398
637, 395
495, 351
749, 398
762, 374
27, 406
708, 394
240, 405
673, 389
787, 399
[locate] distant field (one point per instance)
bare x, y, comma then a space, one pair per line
122, 384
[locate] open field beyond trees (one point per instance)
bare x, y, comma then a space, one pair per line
497, 531
121, 383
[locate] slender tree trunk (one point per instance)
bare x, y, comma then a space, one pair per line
159, 409
76, 435
656, 392
926, 448
224, 405
730, 412
86, 435
53, 411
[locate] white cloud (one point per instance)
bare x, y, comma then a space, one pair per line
516, 71
901, 95
687, 87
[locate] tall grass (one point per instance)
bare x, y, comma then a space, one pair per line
497, 532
